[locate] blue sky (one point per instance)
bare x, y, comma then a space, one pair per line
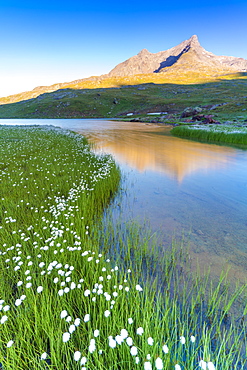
45, 42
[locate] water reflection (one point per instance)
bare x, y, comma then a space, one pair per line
184, 188
148, 151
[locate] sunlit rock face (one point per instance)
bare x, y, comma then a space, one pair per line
145, 62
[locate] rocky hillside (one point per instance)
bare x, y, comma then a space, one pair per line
145, 62
133, 86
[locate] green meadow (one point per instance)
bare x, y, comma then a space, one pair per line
222, 96
83, 291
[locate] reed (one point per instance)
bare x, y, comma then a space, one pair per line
229, 134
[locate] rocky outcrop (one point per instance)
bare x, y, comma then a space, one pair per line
145, 62
191, 111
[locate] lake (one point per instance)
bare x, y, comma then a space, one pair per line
185, 189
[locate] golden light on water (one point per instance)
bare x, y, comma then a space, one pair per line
152, 153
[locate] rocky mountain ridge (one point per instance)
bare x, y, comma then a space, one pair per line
185, 63
145, 62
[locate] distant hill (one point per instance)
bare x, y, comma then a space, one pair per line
189, 55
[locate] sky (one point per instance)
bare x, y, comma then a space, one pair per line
51, 41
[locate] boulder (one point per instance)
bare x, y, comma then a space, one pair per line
191, 111
205, 118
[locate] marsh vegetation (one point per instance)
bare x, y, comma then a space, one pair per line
230, 134
78, 292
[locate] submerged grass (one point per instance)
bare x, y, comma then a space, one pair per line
214, 133
76, 293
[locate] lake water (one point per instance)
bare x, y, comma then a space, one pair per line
183, 188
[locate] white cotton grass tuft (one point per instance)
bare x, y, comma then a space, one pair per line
112, 342
63, 314
66, 337
129, 341
77, 355
107, 313
133, 351
39, 289
124, 334
182, 340
87, 293
147, 365
210, 366
159, 363
43, 356
150, 341
139, 288
119, 339
92, 346
10, 343
165, 348
18, 302
192, 339
77, 321
87, 317
4, 319
96, 333
72, 328
139, 331
203, 364
206, 365
83, 361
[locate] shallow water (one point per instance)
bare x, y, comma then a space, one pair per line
184, 188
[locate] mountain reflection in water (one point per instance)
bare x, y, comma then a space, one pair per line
175, 158
184, 188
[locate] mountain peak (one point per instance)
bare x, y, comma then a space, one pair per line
194, 39
193, 42
143, 52
189, 54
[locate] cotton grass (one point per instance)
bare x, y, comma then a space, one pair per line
82, 306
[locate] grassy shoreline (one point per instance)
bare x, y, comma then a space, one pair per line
77, 293
230, 134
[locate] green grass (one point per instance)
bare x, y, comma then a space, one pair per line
213, 133
116, 97
121, 300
